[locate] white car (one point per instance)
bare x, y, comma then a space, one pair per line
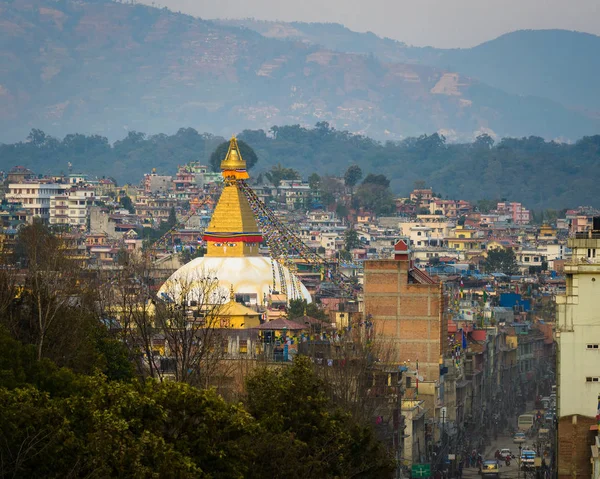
519, 438
504, 453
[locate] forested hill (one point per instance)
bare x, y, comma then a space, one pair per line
540, 174
104, 67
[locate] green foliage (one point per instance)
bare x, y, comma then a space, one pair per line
537, 173
351, 240
125, 202
501, 261
379, 180
172, 219
353, 175
375, 197
279, 173
314, 181
293, 405
186, 255
248, 155
300, 307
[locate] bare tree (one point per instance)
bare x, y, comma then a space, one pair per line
189, 315
127, 305
52, 281
356, 365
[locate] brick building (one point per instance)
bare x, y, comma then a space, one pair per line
407, 308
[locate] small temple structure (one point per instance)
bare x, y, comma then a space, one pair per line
233, 239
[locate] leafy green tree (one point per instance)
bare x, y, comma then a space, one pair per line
172, 219
278, 173
353, 175
125, 202
375, 197
351, 240
248, 155
293, 403
379, 180
501, 261
314, 181
485, 205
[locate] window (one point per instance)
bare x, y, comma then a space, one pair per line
592, 346
592, 379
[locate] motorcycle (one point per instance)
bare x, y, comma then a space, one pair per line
507, 460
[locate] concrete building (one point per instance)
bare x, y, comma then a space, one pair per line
35, 197
578, 338
71, 208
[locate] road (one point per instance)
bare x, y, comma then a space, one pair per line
508, 472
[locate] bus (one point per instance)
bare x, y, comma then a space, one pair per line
525, 422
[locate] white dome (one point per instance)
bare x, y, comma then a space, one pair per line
248, 275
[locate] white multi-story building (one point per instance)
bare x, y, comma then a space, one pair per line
71, 208
578, 328
35, 197
578, 338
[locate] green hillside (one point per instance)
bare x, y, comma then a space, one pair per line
538, 173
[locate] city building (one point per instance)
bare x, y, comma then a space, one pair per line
578, 338
71, 208
407, 308
35, 197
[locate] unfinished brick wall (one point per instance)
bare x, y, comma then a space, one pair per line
406, 315
574, 441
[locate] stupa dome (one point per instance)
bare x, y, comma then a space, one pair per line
249, 275
232, 240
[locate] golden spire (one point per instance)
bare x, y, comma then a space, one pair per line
233, 231
234, 165
231, 294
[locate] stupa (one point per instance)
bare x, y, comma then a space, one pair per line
232, 246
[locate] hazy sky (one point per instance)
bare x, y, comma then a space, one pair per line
440, 23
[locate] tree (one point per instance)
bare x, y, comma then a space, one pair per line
293, 402
314, 181
188, 315
51, 283
125, 202
353, 175
375, 197
172, 220
379, 180
248, 155
278, 173
351, 240
501, 261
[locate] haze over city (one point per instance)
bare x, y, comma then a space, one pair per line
438, 23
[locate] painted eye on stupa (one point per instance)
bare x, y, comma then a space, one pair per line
218, 245
231, 245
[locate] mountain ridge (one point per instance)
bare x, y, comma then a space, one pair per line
107, 68
535, 50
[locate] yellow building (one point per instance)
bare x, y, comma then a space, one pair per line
234, 315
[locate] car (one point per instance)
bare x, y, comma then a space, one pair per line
519, 438
504, 453
527, 458
490, 468
549, 417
